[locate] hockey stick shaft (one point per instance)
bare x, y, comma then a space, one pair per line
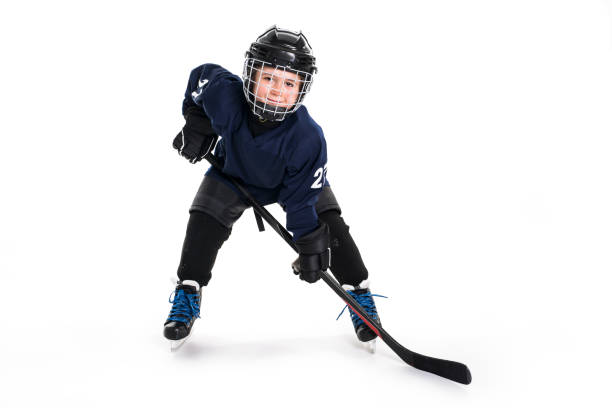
451, 370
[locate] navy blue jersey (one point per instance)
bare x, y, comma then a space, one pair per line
286, 164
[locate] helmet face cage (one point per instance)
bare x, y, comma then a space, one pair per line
281, 80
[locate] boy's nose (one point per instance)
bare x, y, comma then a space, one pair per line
275, 91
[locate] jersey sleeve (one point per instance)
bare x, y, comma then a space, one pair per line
303, 182
218, 93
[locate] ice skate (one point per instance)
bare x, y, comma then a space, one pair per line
185, 300
362, 295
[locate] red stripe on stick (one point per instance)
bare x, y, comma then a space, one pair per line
364, 320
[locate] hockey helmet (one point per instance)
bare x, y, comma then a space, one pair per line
284, 56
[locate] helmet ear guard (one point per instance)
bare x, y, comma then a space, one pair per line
287, 52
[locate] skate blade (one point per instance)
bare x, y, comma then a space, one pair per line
371, 346
177, 344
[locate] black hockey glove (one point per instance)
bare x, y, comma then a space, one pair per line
314, 254
197, 137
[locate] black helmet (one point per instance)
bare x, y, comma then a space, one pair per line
285, 57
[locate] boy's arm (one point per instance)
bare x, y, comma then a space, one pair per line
209, 107
304, 181
197, 137
215, 93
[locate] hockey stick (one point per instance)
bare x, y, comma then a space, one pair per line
451, 370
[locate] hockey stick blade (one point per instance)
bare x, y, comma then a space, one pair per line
451, 370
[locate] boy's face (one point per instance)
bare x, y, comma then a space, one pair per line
276, 87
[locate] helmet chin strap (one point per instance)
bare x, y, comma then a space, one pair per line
263, 111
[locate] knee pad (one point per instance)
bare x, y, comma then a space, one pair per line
203, 239
206, 230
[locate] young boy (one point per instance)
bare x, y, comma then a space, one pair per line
272, 145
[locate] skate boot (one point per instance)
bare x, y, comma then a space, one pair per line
362, 295
185, 309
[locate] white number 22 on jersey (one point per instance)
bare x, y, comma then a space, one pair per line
320, 175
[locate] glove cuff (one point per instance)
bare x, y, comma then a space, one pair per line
195, 111
314, 242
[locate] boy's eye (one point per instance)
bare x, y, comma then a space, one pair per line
290, 84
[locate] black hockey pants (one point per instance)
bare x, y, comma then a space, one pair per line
215, 209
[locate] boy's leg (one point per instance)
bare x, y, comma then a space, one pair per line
346, 263
214, 210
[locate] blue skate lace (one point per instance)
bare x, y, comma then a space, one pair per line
184, 306
366, 302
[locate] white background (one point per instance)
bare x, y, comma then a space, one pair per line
469, 147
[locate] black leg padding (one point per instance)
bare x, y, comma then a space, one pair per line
205, 236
